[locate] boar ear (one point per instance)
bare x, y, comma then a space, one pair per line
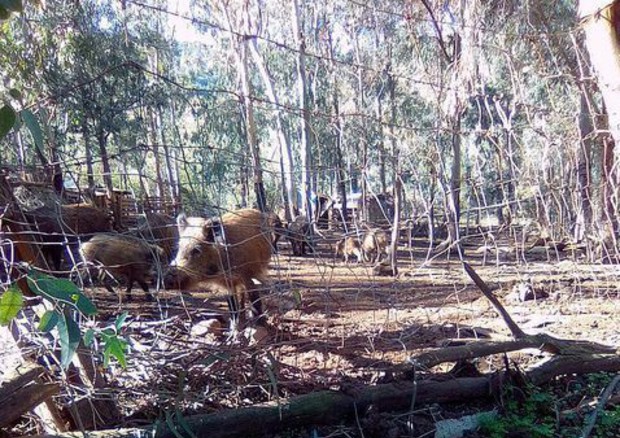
213, 232
182, 222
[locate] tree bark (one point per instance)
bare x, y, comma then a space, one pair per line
306, 147
284, 145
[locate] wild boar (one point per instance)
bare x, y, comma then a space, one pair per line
227, 251
349, 246
298, 232
126, 258
161, 230
375, 245
63, 225
274, 223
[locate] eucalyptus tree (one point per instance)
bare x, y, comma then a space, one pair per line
599, 21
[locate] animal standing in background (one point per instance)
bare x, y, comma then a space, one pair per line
349, 246
298, 233
227, 251
274, 223
63, 225
127, 259
375, 245
161, 230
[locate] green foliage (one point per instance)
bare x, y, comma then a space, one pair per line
533, 417
69, 335
60, 290
31, 122
114, 345
67, 300
7, 119
48, 321
537, 414
11, 303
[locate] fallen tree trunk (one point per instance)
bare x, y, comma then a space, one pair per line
21, 392
332, 407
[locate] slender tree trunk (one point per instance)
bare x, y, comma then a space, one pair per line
161, 189
284, 145
454, 195
105, 161
340, 172
396, 176
88, 151
168, 158
250, 126
306, 148
584, 156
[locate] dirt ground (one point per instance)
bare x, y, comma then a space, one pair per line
334, 324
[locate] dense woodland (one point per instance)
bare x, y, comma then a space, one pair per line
478, 110
484, 130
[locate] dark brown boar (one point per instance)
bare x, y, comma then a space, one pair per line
274, 223
375, 245
348, 247
227, 251
127, 259
298, 233
161, 230
62, 226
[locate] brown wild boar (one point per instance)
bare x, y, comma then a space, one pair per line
63, 225
161, 230
274, 223
227, 251
126, 258
375, 245
349, 246
297, 233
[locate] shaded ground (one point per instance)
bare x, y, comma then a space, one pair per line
334, 324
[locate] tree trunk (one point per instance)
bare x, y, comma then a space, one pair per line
396, 175
454, 195
284, 145
89, 155
105, 161
250, 126
306, 147
161, 190
600, 20
583, 222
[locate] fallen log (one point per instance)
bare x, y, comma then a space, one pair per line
21, 392
330, 407
543, 342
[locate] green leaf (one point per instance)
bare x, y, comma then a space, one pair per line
183, 423
60, 289
31, 121
11, 303
15, 93
4, 14
120, 320
116, 347
7, 113
84, 304
171, 425
89, 337
69, 334
48, 321
12, 5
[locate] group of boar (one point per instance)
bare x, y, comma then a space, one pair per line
372, 246
229, 251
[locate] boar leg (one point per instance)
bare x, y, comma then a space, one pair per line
256, 305
233, 306
145, 288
